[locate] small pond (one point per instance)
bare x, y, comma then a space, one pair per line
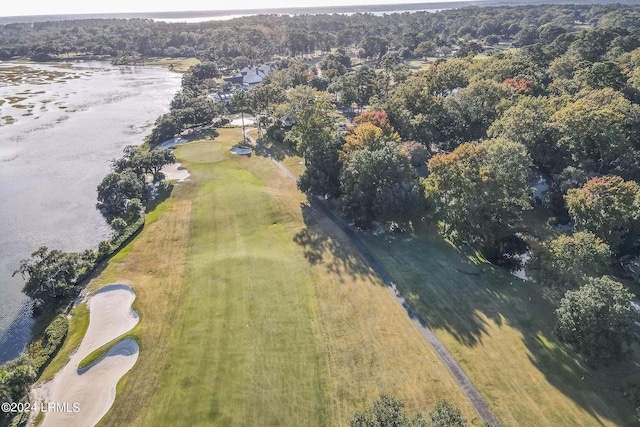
513, 254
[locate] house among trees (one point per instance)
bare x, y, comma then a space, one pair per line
287, 122
245, 79
222, 97
248, 77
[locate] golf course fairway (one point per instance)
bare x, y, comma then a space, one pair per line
256, 310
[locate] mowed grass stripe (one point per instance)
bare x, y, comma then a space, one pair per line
370, 345
244, 348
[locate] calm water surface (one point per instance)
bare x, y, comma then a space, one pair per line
60, 125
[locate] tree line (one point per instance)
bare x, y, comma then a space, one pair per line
260, 38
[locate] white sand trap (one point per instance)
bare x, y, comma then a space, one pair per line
175, 172
240, 150
238, 122
89, 393
170, 143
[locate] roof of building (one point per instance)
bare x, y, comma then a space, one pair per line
250, 76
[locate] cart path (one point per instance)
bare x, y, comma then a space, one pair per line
447, 359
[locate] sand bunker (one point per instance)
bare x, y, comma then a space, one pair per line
170, 143
241, 150
175, 172
238, 122
84, 396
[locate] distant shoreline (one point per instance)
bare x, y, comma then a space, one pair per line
233, 13
203, 15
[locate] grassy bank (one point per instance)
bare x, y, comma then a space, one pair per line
77, 328
500, 330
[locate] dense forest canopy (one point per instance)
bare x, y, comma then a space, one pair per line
260, 37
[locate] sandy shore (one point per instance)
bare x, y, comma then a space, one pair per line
82, 397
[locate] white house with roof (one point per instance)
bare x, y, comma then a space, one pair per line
249, 76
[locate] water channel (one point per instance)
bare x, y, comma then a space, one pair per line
60, 125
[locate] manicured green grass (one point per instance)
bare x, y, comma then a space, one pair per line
500, 329
275, 320
244, 347
77, 328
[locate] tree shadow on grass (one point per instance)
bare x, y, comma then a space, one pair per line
322, 246
450, 289
164, 192
450, 293
276, 150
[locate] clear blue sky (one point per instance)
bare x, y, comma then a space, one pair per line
54, 7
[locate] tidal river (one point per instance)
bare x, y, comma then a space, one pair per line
60, 126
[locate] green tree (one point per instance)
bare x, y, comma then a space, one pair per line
608, 206
529, 123
378, 184
263, 99
152, 161
314, 136
472, 109
166, 127
144, 162
322, 167
51, 274
446, 415
479, 192
417, 152
514, 66
596, 320
116, 189
118, 225
568, 260
386, 411
447, 76
601, 75
425, 48
416, 113
359, 86
312, 114
20, 375
598, 131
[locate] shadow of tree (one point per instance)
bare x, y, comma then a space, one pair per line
453, 289
277, 150
318, 242
164, 192
450, 289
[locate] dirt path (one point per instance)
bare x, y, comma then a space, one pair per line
458, 373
